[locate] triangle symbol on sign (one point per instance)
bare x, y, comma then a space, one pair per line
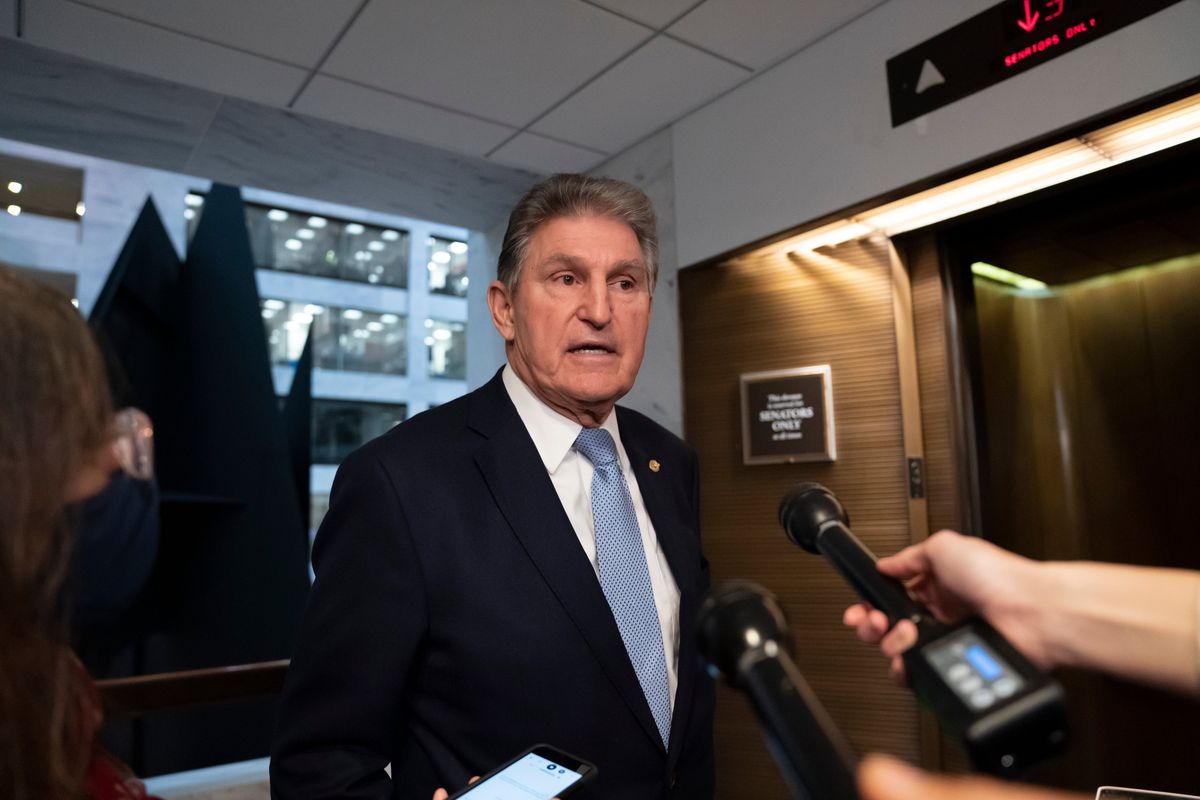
930, 77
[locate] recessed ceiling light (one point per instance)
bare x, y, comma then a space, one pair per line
458, 248
189, 213
354, 229
15, 187
313, 308
352, 313
441, 333
277, 215
273, 304
306, 233
389, 319
390, 236
429, 341
194, 200
372, 278
15, 210
301, 318
293, 244
317, 222
374, 326
375, 246
80, 208
267, 313
441, 257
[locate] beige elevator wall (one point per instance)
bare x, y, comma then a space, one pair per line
775, 311
1089, 401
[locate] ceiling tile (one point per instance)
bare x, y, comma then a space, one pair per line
653, 87
506, 61
350, 104
8, 17
761, 33
545, 156
297, 32
656, 14
88, 33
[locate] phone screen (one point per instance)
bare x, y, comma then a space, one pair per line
531, 777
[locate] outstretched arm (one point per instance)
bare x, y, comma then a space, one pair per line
1137, 622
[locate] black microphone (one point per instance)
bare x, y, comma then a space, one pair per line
743, 637
985, 692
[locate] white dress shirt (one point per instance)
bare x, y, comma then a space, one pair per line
571, 473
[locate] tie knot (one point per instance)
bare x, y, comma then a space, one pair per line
597, 446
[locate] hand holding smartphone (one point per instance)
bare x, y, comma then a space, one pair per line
540, 773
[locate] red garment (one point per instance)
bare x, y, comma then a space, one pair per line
107, 778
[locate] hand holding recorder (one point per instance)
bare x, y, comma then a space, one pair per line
1135, 622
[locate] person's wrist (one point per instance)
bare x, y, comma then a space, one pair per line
1021, 603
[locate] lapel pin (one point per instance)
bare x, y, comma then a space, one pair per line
654, 465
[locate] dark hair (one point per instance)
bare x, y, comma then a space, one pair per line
570, 195
55, 413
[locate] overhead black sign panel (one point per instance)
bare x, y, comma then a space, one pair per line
998, 43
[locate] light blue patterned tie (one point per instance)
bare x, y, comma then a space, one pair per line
624, 577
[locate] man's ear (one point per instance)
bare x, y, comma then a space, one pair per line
500, 303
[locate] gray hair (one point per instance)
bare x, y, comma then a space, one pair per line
571, 195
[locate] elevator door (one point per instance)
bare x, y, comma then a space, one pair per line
1085, 431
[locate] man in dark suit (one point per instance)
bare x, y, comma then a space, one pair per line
523, 564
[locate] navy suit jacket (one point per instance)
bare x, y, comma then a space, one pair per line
455, 620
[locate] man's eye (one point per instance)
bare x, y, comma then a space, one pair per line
567, 280
625, 285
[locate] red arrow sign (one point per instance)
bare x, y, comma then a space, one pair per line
1030, 20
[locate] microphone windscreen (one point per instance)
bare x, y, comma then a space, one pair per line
803, 511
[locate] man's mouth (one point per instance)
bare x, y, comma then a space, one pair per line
591, 348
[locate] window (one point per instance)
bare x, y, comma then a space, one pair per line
35, 187
296, 241
347, 339
446, 343
287, 325
341, 426
361, 341
447, 267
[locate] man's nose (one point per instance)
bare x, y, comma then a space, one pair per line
596, 307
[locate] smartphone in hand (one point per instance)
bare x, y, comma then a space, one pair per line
540, 773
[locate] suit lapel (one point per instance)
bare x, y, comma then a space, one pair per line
677, 536
522, 490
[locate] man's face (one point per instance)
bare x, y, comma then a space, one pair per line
575, 327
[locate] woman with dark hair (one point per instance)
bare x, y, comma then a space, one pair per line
56, 449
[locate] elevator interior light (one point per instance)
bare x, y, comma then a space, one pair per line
1147, 133
1001, 275
15, 187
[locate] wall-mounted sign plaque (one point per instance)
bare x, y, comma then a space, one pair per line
1005, 40
787, 416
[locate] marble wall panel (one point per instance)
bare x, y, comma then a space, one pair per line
68, 103
253, 145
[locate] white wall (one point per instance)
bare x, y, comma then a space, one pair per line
813, 135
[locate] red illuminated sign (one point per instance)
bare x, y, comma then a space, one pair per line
1002, 41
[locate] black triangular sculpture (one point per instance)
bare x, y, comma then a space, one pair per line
297, 421
232, 575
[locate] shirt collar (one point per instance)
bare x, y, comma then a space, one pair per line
552, 433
